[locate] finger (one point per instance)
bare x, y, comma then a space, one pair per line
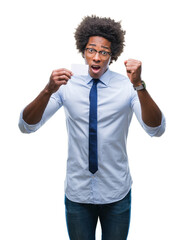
61, 73
132, 62
63, 82
130, 68
128, 61
129, 65
64, 71
135, 63
61, 77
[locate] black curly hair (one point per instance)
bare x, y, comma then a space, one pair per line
102, 27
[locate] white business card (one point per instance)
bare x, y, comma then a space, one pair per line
79, 69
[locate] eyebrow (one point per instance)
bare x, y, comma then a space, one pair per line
91, 44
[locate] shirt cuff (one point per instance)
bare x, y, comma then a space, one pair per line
156, 131
27, 128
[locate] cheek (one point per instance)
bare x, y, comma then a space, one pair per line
86, 59
107, 63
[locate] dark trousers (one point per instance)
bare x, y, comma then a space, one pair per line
82, 219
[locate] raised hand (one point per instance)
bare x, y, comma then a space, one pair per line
58, 77
133, 68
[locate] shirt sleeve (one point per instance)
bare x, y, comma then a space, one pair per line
152, 131
55, 102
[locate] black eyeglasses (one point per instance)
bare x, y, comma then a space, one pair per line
102, 53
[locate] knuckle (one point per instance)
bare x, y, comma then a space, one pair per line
64, 82
54, 78
54, 71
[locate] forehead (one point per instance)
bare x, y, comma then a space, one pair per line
99, 42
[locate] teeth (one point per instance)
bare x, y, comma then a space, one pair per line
96, 67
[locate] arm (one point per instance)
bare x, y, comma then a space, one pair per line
151, 114
32, 114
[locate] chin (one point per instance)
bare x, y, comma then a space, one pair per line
97, 75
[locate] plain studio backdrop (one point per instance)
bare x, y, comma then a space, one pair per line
37, 37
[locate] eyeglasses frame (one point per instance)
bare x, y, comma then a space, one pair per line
100, 52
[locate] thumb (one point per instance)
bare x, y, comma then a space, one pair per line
125, 62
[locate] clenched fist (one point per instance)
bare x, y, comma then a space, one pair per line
58, 77
133, 68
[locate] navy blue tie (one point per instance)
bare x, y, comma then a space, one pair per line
93, 152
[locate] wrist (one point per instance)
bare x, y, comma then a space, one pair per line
47, 90
137, 83
140, 86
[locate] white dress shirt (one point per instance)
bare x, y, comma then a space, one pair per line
117, 100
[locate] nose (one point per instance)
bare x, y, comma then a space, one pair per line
96, 57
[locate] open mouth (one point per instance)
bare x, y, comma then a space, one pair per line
95, 68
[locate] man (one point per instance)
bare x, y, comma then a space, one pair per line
99, 108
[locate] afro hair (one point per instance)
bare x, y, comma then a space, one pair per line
102, 27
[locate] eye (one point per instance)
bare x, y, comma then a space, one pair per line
91, 50
104, 53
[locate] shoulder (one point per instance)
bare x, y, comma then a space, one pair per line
118, 78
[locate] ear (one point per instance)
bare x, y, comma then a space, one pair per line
110, 61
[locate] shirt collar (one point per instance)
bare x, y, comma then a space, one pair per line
105, 78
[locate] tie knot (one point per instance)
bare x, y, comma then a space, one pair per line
96, 81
